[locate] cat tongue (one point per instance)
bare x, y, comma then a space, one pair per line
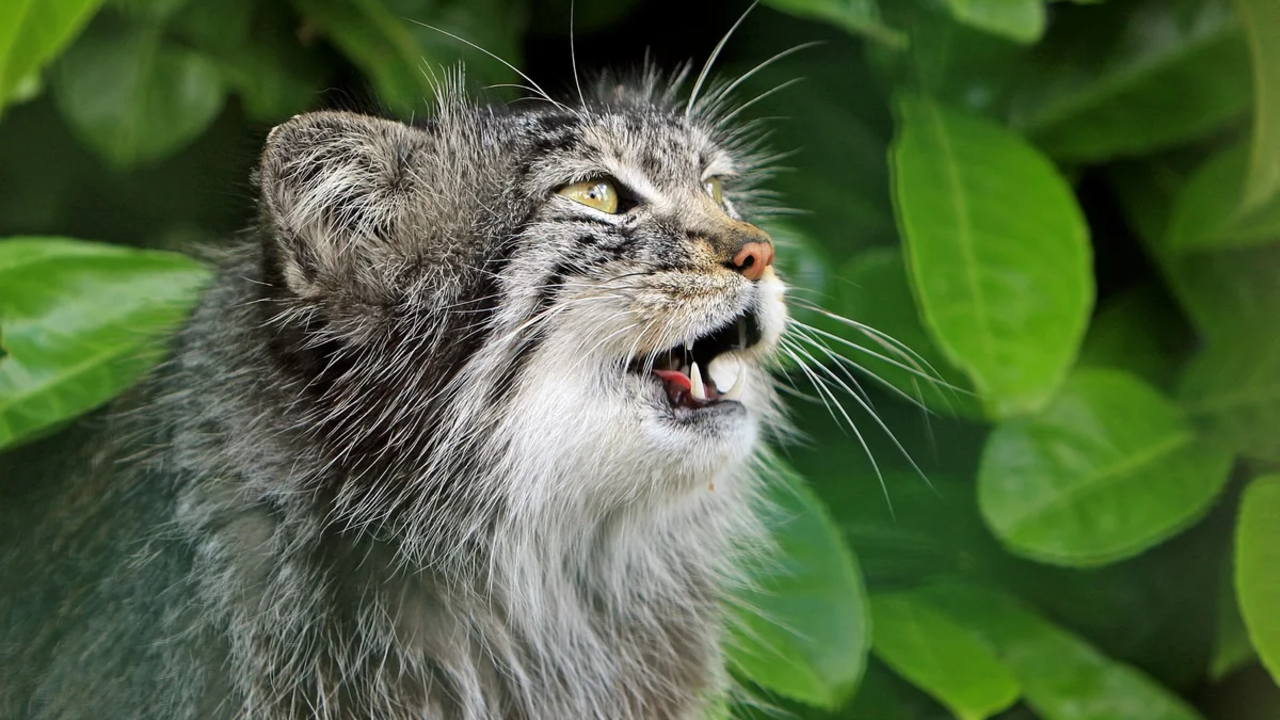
675, 377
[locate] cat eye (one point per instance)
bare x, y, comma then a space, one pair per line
596, 194
712, 186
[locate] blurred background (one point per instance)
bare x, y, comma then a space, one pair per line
1038, 239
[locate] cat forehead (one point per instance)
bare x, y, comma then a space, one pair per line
651, 141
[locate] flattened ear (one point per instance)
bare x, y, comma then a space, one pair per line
340, 194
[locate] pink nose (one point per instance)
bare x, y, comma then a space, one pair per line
753, 258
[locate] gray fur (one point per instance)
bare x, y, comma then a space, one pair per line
396, 467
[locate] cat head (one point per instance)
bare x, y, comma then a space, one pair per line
572, 298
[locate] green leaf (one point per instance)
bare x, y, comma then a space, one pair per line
718, 709
1062, 677
33, 32
950, 662
1231, 389
954, 64
1261, 22
386, 40
1109, 469
1147, 191
843, 212
1019, 20
998, 251
872, 289
150, 10
1258, 568
1231, 647
224, 25
1208, 214
135, 98
878, 698
1230, 294
379, 43
80, 322
1127, 78
258, 51
1138, 331
861, 17
802, 630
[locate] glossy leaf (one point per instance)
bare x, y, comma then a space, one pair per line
861, 17
878, 697
388, 41
872, 289
133, 97
1139, 332
80, 322
1258, 568
150, 10
1261, 22
802, 631
1231, 647
1109, 469
1147, 191
1062, 677
1228, 293
1208, 214
1019, 20
844, 212
379, 43
33, 32
947, 660
955, 64
998, 252
1125, 78
1231, 389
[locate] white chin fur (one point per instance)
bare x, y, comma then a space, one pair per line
584, 427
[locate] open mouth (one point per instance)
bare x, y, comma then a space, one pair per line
712, 369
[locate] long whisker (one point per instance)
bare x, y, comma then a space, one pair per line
573, 56
728, 89
706, 68
738, 110
846, 364
888, 341
914, 368
513, 68
874, 416
824, 391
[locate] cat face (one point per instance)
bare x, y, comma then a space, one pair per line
661, 306
550, 293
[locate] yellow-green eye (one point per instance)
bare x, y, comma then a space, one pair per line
597, 194
712, 186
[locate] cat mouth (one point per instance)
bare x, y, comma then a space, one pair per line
711, 370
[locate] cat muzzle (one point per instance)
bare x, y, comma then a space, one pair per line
709, 370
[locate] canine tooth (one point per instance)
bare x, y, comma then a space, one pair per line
698, 390
723, 370
735, 392
742, 332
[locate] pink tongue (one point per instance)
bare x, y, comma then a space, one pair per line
676, 378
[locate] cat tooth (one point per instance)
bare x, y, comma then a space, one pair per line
723, 370
735, 392
698, 390
742, 333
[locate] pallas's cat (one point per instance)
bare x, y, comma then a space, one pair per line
468, 428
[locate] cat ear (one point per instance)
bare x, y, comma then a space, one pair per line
338, 193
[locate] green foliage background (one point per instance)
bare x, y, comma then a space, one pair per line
1068, 212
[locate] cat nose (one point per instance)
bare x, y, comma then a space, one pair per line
754, 254
753, 258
